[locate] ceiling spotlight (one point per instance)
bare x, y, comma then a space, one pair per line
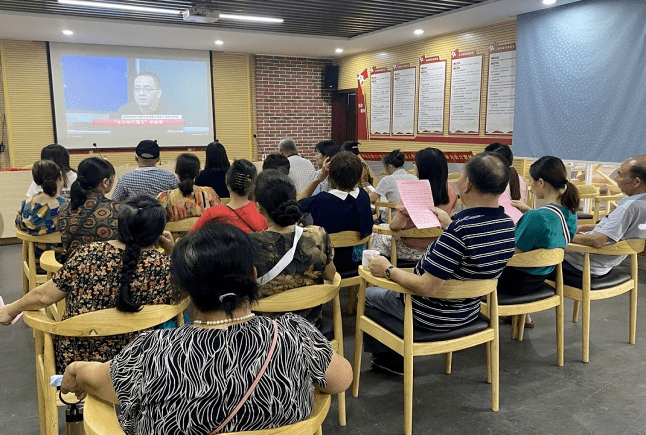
68, 32
251, 18
339, 50
219, 42
549, 2
120, 6
418, 32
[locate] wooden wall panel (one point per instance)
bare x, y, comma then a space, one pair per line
27, 98
232, 95
475, 39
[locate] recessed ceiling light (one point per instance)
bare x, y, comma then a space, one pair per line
339, 50
68, 32
120, 6
251, 18
418, 32
549, 2
219, 42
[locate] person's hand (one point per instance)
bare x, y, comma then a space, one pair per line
69, 383
377, 264
585, 228
443, 217
520, 205
166, 242
325, 170
6, 317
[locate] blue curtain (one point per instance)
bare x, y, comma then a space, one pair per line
581, 81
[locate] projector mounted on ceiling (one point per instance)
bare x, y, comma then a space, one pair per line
200, 15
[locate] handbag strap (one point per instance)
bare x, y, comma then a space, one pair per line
253, 385
244, 221
283, 262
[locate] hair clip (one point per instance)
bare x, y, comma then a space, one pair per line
226, 295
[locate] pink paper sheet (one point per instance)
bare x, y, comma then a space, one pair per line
418, 200
510, 210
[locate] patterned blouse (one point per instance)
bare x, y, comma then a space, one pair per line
37, 219
90, 279
188, 380
178, 206
99, 227
313, 253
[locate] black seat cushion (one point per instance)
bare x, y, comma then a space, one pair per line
349, 273
583, 215
396, 326
574, 278
403, 264
544, 292
326, 327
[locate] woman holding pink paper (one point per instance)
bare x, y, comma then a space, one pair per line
430, 164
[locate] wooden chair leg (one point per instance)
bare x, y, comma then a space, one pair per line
514, 327
488, 348
341, 403
585, 330
448, 362
358, 340
560, 319
575, 311
408, 392
632, 327
495, 375
319, 431
521, 326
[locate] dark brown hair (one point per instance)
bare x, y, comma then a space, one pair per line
345, 170
553, 171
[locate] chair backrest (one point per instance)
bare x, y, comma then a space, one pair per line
453, 177
623, 247
30, 278
413, 233
390, 206
106, 322
181, 226
100, 418
344, 239
538, 258
587, 191
299, 298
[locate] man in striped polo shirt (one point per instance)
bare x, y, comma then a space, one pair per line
477, 244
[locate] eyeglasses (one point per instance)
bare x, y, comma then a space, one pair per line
146, 89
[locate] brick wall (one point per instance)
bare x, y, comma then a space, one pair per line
290, 101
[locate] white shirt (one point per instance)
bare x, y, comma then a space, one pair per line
35, 189
300, 171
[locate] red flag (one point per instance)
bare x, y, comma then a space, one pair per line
362, 121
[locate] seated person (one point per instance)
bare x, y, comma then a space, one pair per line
550, 226
89, 216
124, 274
430, 164
323, 150
344, 208
476, 245
627, 221
367, 177
38, 215
59, 155
276, 161
216, 167
387, 188
240, 211
310, 263
210, 365
188, 200
517, 186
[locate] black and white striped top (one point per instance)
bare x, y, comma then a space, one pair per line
477, 245
188, 380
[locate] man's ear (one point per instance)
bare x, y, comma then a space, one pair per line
468, 186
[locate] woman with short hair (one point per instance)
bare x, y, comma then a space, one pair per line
192, 380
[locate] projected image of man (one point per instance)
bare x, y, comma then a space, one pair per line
146, 92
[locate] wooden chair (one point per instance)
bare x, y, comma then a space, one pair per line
100, 418
454, 177
350, 279
302, 298
588, 289
609, 201
96, 323
49, 263
587, 192
30, 277
180, 227
390, 206
416, 233
415, 342
546, 297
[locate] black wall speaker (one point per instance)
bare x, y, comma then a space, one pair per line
331, 77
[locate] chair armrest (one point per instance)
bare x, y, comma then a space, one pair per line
623, 247
100, 417
378, 229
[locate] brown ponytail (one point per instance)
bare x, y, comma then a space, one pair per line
570, 198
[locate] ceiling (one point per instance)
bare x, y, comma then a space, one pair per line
313, 28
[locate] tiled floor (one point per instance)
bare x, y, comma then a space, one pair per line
606, 396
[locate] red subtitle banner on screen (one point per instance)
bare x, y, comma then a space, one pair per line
451, 156
138, 122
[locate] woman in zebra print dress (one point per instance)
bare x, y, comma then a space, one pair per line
189, 380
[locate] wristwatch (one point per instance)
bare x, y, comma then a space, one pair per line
388, 270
